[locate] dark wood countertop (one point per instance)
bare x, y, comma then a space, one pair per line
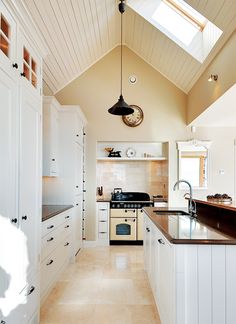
49, 211
229, 206
185, 230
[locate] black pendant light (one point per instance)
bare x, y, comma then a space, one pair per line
121, 108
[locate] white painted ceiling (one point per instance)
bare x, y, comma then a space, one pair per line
78, 33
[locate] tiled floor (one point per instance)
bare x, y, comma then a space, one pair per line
106, 285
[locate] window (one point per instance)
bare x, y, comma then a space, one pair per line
182, 21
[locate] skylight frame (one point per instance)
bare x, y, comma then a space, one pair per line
185, 14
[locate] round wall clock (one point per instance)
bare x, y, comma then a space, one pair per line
135, 118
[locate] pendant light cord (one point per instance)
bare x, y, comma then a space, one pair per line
121, 52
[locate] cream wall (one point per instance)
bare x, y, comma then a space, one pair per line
164, 108
163, 104
204, 93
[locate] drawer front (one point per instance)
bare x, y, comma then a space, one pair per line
52, 223
102, 226
102, 235
50, 241
49, 269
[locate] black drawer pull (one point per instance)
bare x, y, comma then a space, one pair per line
66, 217
50, 262
67, 226
147, 229
24, 217
102, 232
14, 220
103, 209
134, 220
51, 226
32, 288
3, 322
161, 241
67, 243
51, 239
23, 74
102, 221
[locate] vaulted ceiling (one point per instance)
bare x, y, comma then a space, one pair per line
78, 33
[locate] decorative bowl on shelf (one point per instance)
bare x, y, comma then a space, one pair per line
109, 149
224, 198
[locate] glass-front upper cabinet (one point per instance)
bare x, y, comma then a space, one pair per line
193, 158
30, 64
7, 36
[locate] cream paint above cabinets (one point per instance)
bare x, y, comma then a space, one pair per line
79, 33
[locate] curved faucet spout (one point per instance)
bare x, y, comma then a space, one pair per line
191, 204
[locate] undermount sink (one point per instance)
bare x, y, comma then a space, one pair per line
171, 212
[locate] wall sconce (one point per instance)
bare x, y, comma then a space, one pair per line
213, 77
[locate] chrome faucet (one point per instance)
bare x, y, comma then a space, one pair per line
191, 202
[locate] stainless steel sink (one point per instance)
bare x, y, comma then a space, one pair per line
171, 212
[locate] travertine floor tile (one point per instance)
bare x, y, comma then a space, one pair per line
105, 285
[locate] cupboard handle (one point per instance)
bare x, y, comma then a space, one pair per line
24, 217
15, 65
51, 239
77, 204
67, 243
23, 74
32, 288
49, 227
66, 217
102, 209
147, 229
14, 220
102, 221
50, 262
102, 232
53, 159
134, 220
3, 322
77, 135
161, 241
67, 226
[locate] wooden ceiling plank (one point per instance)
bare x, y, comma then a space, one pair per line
55, 65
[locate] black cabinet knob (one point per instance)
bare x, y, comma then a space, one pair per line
67, 243
32, 288
67, 226
66, 217
53, 159
14, 220
3, 322
24, 217
77, 186
50, 262
51, 239
161, 241
147, 229
23, 74
15, 65
51, 226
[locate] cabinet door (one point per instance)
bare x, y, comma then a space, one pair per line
78, 167
8, 146
7, 38
29, 65
166, 280
147, 244
30, 173
77, 224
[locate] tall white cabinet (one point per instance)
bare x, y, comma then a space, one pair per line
20, 171
68, 185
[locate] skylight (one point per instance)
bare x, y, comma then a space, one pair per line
180, 23
179, 19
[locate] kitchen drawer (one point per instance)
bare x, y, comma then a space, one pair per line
102, 226
49, 269
50, 241
103, 206
52, 223
67, 228
102, 235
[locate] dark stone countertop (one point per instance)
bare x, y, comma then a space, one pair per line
181, 229
49, 211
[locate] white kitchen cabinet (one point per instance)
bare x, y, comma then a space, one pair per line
77, 224
50, 137
191, 283
102, 223
56, 249
20, 143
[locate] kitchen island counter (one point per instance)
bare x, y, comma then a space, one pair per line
49, 211
181, 229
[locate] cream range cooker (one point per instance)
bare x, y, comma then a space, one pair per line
126, 216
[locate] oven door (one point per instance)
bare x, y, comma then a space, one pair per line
123, 229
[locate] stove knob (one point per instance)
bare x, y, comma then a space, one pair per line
128, 205
118, 206
132, 205
139, 206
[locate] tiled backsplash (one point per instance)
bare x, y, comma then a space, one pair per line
147, 176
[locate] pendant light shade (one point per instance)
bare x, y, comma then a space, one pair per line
121, 108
